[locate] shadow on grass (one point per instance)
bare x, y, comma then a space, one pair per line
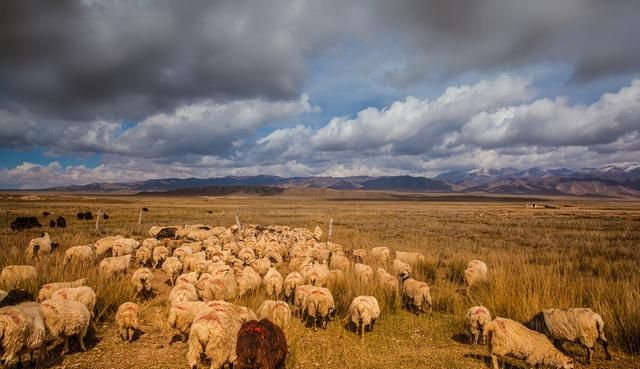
487, 361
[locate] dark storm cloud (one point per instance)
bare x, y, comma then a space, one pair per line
597, 38
128, 60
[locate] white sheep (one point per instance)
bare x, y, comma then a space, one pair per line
142, 279
66, 318
83, 255
194, 246
579, 325
183, 292
142, 255
172, 267
83, 294
47, 290
401, 269
127, 320
388, 282
261, 266
188, 278
380, 255
508, 338
181, 315
124, 246
474, 321
104, 245
189, 261
39, 247
318, 275
276, 311
159, 254
14, 276
291, 282
336, 278
150, 243
36, 341
364, 273
248, 281
340, 262
475, 272
14, 332
363, 312
218, 287
181, 252
319, 306
112, 266
415, 294
411, 258
213, 334
273, 283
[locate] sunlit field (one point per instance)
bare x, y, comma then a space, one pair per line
582, 254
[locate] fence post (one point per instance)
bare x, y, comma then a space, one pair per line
140, 217
238, 223
98, 219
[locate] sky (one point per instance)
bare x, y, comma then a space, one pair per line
120, 91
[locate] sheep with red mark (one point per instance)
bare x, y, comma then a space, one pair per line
260, 345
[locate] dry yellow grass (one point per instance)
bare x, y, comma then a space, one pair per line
584, 255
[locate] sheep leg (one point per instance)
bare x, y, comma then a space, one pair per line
66, 346
494, 361
589, 353
81, 340
362, 331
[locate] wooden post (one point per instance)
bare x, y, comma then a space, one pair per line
140, 218
98, 219
330, 233
238, 223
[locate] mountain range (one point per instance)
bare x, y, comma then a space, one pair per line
612, 180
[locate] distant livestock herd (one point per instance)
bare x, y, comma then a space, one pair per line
210, 267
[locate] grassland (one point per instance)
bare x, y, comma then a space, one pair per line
583, 254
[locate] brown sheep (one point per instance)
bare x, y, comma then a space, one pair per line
261, 345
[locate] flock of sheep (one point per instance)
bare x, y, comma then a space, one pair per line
209, 268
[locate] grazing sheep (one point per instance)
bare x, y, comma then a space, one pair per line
195, 247
260, 345
142, 255
37, 330
124, 246
248, 281
212, 288
415, 294
14, 276
508, 338
82, 294
388, 282
14, 333
39, 247
475, 272
47, 290
189, 261
340, 262
579, 325
181, 315
66, 318
79, 255
127, 320
336, 278
16, 296
109, 267
474, 321
142, 279
150, 243
411, 258
213, 334
173, 267
318, 275
181, 252
291, 282
299, 295
183, 292
188, 278
363, 312
317, 233
261, 266
364, 273
160, 254
104, 245
247, 255
276, 311
380, 255
401, 269
319, 306
358, 255
273, 283
240, 313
